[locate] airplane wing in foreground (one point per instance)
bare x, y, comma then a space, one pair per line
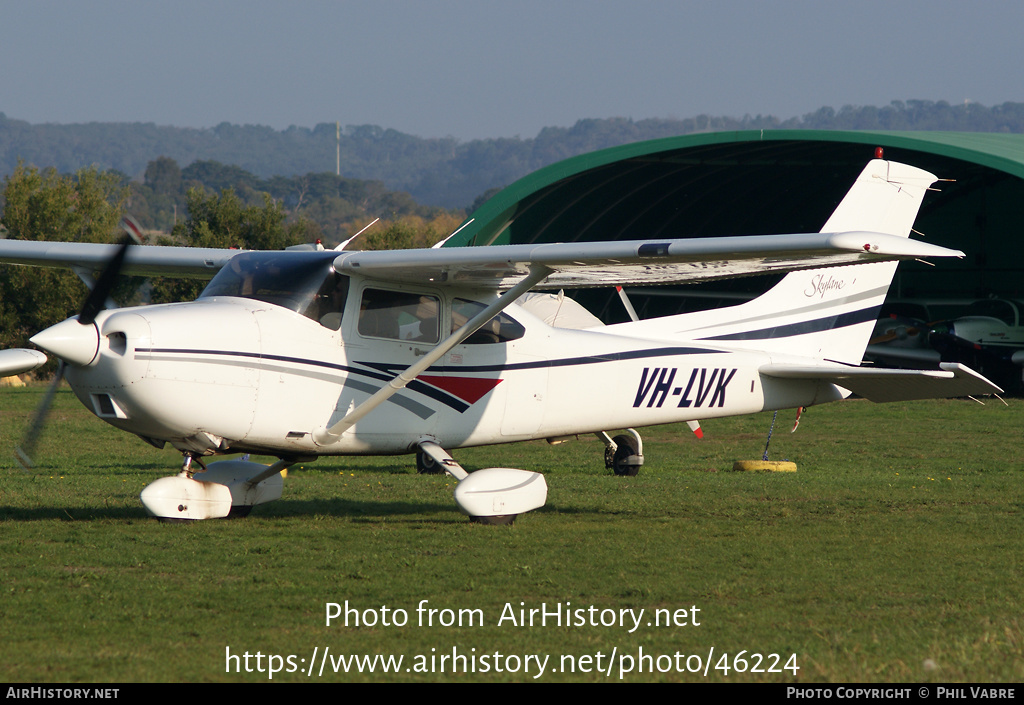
573, 265
621, 262
142, 260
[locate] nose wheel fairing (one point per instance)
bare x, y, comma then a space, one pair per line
225, 488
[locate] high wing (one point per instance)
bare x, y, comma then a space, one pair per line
148, 260
622, 262
573, 265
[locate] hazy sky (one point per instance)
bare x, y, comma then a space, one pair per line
494, 69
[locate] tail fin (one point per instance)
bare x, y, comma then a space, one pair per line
824, 313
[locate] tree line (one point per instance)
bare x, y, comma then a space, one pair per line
207, 204
436, 171
316, 206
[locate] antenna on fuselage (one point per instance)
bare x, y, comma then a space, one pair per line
440, 243
343, 245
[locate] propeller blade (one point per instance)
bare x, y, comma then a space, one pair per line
131, 228
94, 303
97, 298
27, 449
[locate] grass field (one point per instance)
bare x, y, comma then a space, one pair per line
893, 554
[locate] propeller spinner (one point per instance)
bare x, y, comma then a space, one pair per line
75, 341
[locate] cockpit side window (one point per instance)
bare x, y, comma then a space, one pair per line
399, 315
500, 329
329, 304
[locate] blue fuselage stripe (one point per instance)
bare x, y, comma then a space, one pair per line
818, 325
384, 372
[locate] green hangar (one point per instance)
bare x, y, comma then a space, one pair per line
773, 181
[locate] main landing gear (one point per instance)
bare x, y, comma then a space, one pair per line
426, 465
623, 454
491, 495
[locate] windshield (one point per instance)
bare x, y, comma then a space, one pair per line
304, 282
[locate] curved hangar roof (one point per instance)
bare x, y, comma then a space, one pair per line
777, 181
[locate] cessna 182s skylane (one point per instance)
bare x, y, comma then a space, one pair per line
297, 354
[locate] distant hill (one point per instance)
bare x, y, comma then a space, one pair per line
435, 171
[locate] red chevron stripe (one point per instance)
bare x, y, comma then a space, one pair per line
468, 389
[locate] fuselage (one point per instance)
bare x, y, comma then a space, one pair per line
233, 374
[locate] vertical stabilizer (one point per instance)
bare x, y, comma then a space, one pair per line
825, 313
885, 198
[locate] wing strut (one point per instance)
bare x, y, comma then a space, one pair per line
626, 302
327, 436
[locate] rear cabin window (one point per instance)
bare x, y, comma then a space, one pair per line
500, 329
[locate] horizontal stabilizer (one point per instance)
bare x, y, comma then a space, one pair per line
882, 385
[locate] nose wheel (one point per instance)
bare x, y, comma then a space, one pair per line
227, 488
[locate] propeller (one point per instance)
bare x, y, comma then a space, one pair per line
26, 450
91, 307
898, 333
902, 329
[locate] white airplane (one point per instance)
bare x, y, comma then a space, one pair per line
298, 354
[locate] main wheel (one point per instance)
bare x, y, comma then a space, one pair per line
426, 465
624, 460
